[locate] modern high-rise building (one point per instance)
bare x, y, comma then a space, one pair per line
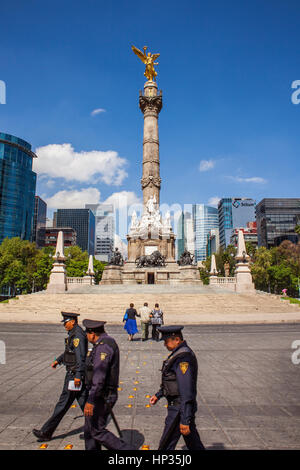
205, 218
213, 242
250, 234
39, 222
104, 231
83, 222
276, 220
234, 213
185, 234
17, 188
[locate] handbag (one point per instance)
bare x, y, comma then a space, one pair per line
125, 316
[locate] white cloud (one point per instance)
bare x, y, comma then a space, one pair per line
253, 179
123, 199
74, 199
50, 183
206, 165
61, 161
213, 201
98, 111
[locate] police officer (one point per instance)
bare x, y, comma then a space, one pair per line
179, 387
73, 358
102, 379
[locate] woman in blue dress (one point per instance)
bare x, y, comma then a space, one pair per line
130, 321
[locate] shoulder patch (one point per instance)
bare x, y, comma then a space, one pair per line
103, 356
184, 366
76, 342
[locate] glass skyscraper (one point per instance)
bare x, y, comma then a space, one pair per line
276, 220
205, 218
105, 230
17, 188
83, 222
39, 222
234, 213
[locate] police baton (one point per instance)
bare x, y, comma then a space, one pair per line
114, 418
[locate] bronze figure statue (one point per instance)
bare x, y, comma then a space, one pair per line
149, 60
186, 259
117, 258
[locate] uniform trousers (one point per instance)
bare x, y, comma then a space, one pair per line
64, 403
192, 440
95, 432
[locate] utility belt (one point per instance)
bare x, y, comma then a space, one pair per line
69, 357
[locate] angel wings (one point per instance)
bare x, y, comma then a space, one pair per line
149, 61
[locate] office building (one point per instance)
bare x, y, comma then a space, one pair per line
213, 242
234, 213
83, 222
276, 221
51, 234
250, 234
17, 188
185, 234
39, 222
205, 218
104, 230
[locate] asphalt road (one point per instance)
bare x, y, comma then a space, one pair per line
248, 387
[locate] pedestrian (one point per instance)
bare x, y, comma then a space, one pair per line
74, 387
156, 317
130, 321
145, 312
102, 379
179, 387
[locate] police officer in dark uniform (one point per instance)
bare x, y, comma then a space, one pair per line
102, 380
179, 387
73, 358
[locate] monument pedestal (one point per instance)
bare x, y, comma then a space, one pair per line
112, 275
58, 279
171, 274
243, 276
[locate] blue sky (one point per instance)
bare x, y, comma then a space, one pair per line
226, 70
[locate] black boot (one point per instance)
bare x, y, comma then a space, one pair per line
42, 437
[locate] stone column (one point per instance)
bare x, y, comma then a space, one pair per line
150, 104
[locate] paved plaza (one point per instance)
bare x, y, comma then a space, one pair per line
248, 387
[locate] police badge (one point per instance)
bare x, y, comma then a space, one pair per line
184, 367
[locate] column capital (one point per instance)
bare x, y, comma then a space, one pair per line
150, 103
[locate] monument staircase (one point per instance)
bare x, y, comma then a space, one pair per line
181, 304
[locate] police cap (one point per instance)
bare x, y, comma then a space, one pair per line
93, 325
170, 331
67, 316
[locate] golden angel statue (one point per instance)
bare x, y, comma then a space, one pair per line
148, 59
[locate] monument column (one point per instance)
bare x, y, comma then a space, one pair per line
150, 104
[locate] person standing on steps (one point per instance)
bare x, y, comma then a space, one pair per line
145, 312
130, 321
156, 317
